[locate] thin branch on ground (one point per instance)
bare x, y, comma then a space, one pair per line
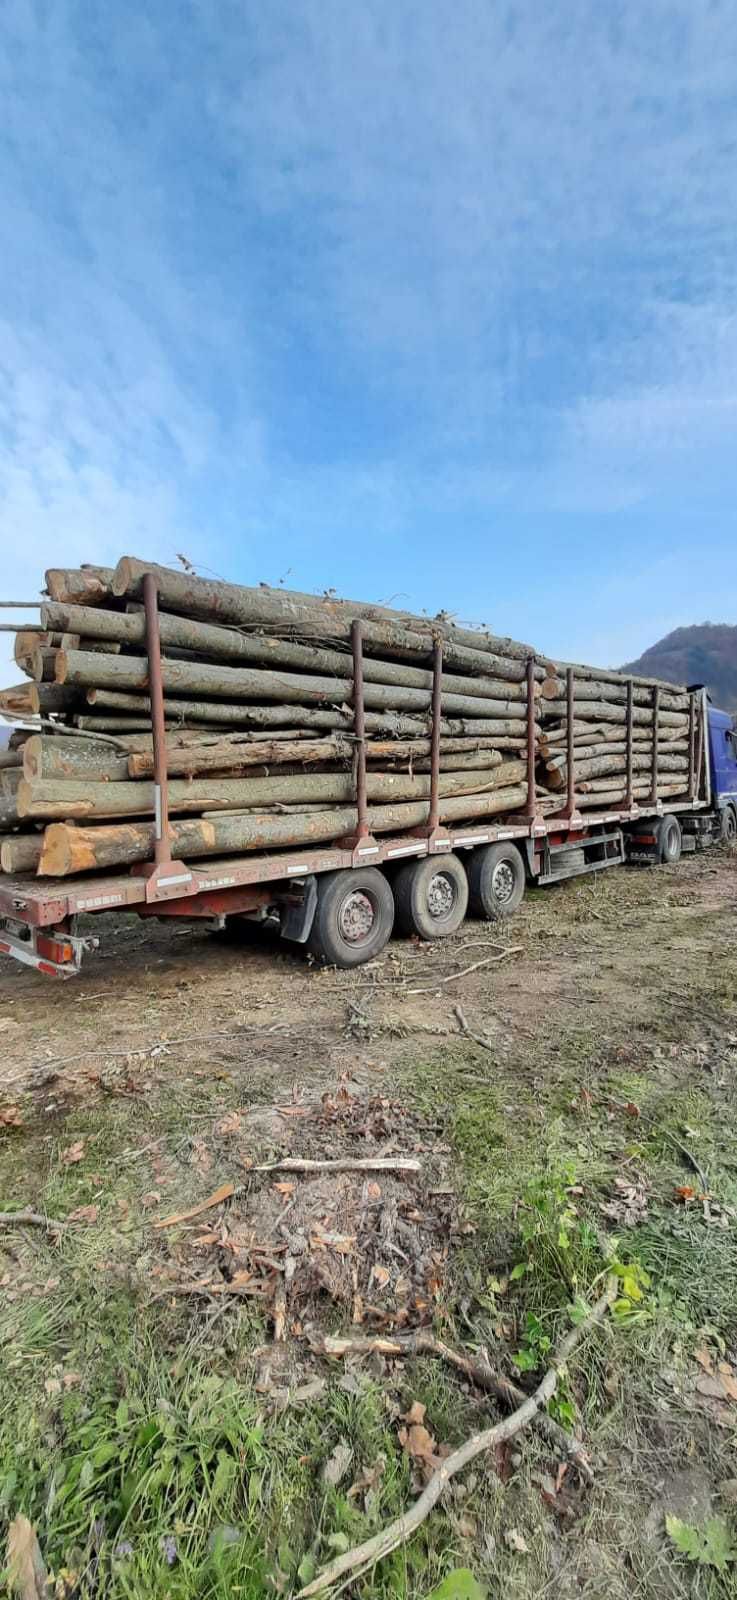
33, 1219
368, 1164
362, 1557
487, 961
478, 1038
474, 1367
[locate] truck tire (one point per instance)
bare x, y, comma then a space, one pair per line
354, 916
668, 837
496, 880
729, 824
431, 896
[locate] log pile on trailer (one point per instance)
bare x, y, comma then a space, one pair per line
288, 719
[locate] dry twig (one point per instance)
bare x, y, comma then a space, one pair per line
368, 1164
513, 950
474, 1367
34, 1219
358, 1560
478, 1038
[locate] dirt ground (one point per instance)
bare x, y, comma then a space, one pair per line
563, 1089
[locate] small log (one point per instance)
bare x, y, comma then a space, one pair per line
218, 757
68, 849
21, 852
32, 699
48, 799
46, 757
606, 711
86, 585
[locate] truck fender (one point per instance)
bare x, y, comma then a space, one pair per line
298, 915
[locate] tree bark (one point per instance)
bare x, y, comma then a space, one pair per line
605, 711
47, 757
68, 850
614, 691
207, 640
47, 798
77, 668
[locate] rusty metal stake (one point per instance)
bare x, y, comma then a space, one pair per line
656, 716
359, 730
628, 799
692, 746
166, 878
570, 745
437, 686
532, 810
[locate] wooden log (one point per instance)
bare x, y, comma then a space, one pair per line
556, 758
21, 852
604, 711
230, 643
29, 639
603, 765
605, 675
207, 640
47, 757
616, 796
34, 699
85, 585
10, 780
230, 602
68, 849
10, 758
230, 684
49, 798
614, 690
219, 757
113, 724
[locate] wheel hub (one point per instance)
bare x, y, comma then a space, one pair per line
440, 896
502, 882
356, 917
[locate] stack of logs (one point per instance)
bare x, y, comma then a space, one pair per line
665, 731
261, 730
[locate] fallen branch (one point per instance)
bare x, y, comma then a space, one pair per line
34, 1219
513, 950
369, 1164
243, 1290
363, 1556
475, 1368
464, 1027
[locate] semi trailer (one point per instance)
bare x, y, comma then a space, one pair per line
342, 900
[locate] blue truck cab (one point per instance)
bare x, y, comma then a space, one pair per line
723, 765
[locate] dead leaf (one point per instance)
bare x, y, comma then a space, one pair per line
514, 1540
73, 1153
337, 1464
416, 1412
380, 1275
26, 1569
728, 1379
84, 1214
418, 1442
232, 1123
712, 1388
287, 1189
214, 1199
703, 1357
11, 1117
373, 1191
684, 1192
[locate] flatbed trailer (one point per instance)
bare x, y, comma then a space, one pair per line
342, 898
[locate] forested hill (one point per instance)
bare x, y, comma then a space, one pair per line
704, 653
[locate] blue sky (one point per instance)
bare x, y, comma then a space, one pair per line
434, 301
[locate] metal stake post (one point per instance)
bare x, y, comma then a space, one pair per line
656, 714
437, 682
166, 878
359, 730
628, 799
692, 746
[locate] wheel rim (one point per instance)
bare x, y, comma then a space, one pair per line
441, 895
502, 883
670, 841
356, 917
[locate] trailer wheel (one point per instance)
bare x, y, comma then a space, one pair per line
729, 824
496, 878
668, 836
431, 896
354, 916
